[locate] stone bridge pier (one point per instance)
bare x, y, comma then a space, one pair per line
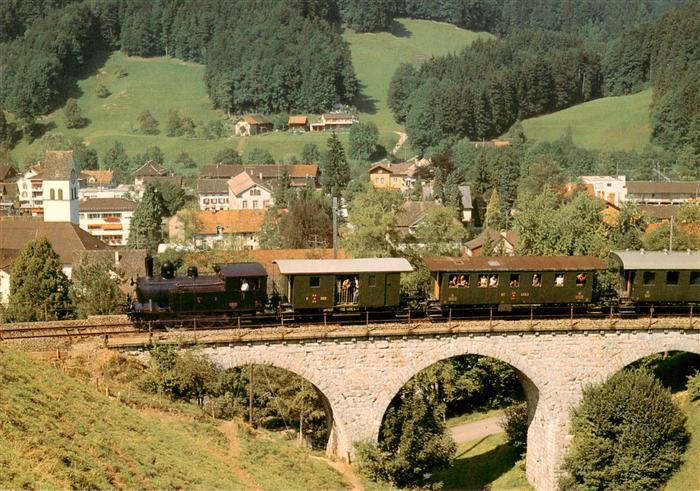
359, 376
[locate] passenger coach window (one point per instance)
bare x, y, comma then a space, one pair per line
581, 279
315, 281
514, 281
695, 278
559, 280
459, 281
672, 277
537, 280
649, 277
372, 280
483, 281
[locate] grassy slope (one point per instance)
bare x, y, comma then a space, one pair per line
688, 476
160, 84
488, 463
612, 123
59, 432
377, 55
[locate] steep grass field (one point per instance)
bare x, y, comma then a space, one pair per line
161, 84
611, 123
376, 56
59, 432
688, 476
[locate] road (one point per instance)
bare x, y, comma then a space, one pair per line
466, 432
402, 139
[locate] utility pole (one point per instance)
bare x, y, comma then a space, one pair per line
335, 227
250, 395
670, 237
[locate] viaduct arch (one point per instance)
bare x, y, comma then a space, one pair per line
360, 375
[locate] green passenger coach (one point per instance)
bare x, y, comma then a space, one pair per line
507, 281
340, 284
659, 277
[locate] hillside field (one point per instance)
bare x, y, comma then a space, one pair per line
376, 56
160, 84
59, 432
610, 123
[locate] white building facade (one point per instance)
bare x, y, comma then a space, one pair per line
108, 219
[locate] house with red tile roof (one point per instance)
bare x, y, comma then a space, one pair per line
212, 227
248, 192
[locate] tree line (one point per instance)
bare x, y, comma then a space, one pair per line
260, 56
482, 91
591, 19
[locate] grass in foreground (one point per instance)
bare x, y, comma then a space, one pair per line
610, 123
485, 463
688, 476
60, 432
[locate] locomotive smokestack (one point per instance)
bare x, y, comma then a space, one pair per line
149, 266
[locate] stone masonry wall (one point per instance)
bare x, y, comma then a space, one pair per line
360, 376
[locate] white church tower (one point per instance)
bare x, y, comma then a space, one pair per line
60, 187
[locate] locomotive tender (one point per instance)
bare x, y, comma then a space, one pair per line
342, 286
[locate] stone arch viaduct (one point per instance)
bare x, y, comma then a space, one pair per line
359, 371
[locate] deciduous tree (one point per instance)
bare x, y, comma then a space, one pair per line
363, 141
628, 433
73, 116
147, 123
95, 289
373, 220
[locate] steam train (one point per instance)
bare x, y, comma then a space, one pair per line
346, 286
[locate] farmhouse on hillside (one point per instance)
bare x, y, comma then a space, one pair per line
298, 123
252, 124
334, 122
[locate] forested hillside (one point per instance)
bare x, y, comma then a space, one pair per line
260, 56
541, 67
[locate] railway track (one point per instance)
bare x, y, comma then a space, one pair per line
489, 319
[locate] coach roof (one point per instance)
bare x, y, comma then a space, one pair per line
513, 263
658, 259
339, 266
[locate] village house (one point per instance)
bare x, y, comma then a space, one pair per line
99, 179
300, 174
334, 122
108, 219
121, 191
30, 190
59, 224
247, 191
8, 187
213, 194
385, 175
252, 124
148, 170
611, 189
495, 143
503, 242
242, 227
663, 193
298, 123
465, 193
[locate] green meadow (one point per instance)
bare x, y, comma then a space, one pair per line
611, 123
160, 84
376, 56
